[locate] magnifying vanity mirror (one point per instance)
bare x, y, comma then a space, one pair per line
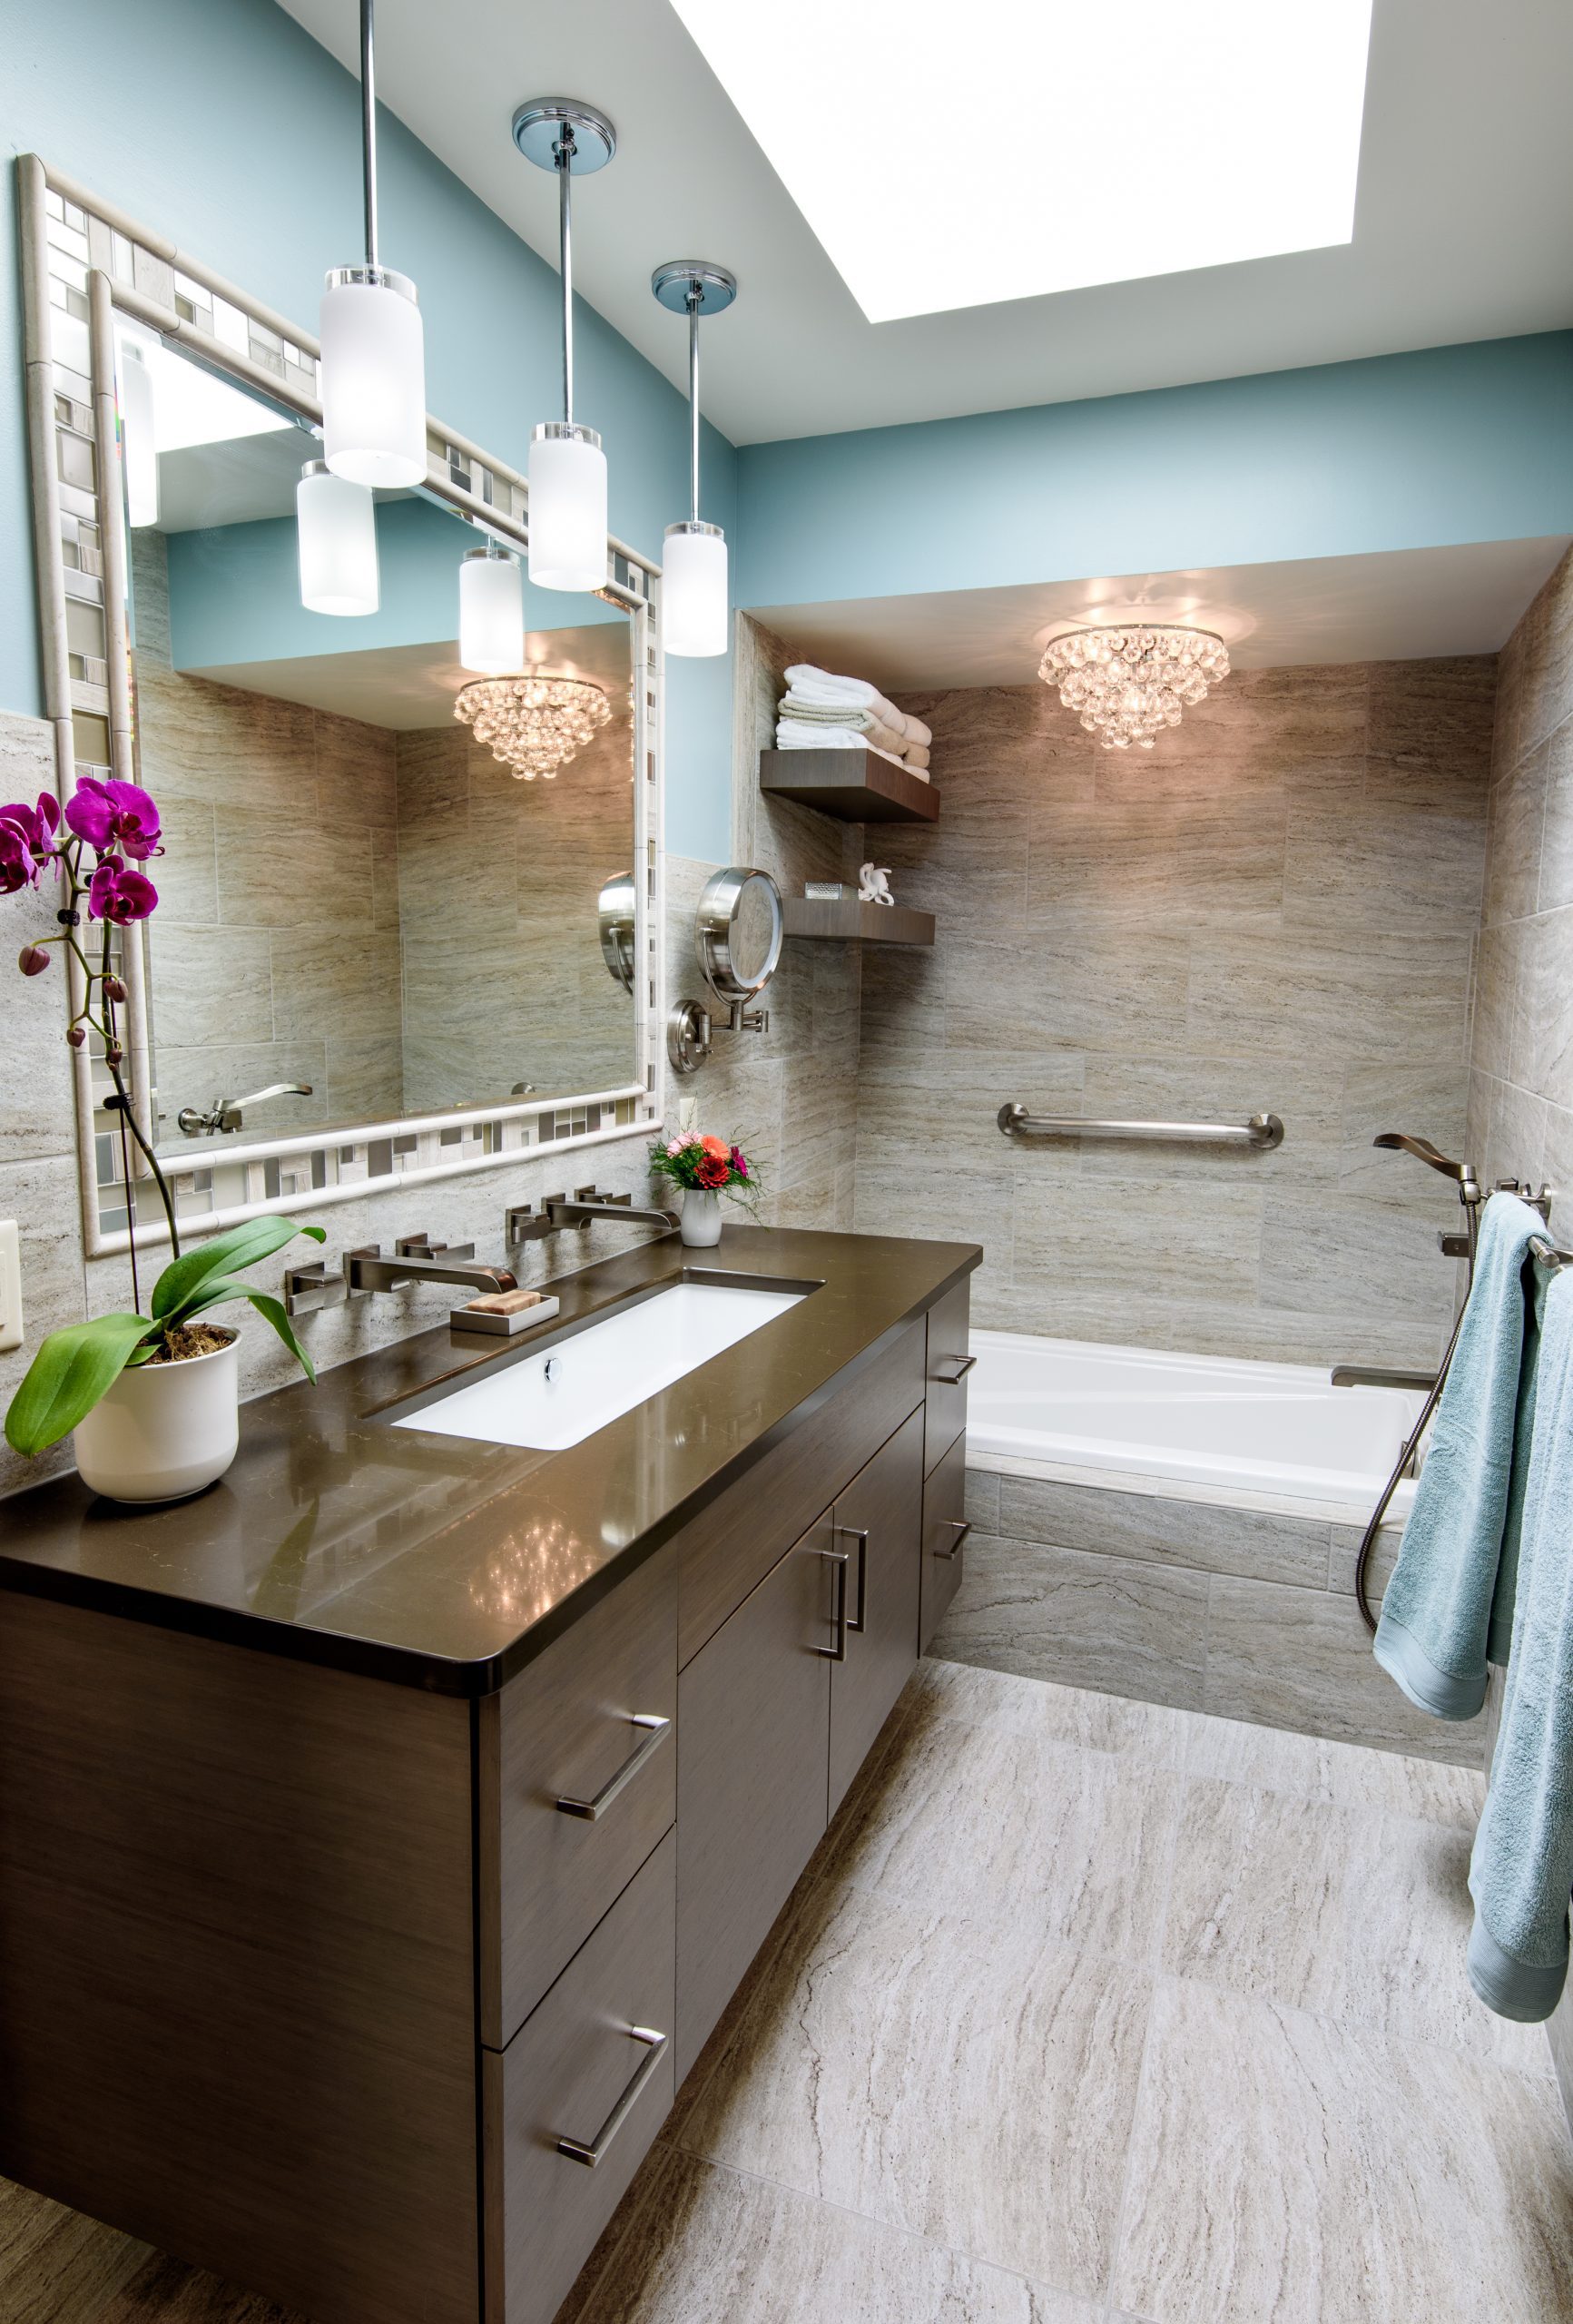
738, 930
400, 815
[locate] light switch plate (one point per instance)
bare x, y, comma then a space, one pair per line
10, 1286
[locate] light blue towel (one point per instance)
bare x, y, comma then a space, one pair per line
1522, 1867
1437, 1615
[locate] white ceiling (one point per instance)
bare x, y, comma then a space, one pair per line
411, 687
1461, 220
1406, 604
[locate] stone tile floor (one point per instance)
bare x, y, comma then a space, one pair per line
1086, 2010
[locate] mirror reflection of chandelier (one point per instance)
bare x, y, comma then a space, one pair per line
533, 724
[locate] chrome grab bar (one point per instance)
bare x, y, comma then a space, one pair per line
1263, 1131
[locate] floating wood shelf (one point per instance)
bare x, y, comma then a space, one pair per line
859, 786
847, 922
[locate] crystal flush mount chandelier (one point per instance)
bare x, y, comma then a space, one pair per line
534, 725
1128, 685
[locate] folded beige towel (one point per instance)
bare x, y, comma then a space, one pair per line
917, 757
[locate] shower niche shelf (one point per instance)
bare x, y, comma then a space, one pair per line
857, 786
845, 921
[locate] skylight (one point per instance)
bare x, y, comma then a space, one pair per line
956, 155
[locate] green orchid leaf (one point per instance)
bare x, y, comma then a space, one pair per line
241, 1246
226, 1287
71, 1370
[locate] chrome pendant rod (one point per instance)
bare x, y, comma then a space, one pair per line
368, 121
695, 306
1262, 1130
564, 152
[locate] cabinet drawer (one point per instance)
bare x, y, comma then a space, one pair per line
753, 1738
949, 1361
734, 1543
593, 2066
944, 1533
578, 1726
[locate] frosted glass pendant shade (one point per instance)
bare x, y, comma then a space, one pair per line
567, 477
336, 532
491, 613
142, 459
373, 377
693, 608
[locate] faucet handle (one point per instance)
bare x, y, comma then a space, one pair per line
421, 1247
309, 1287
523, 1223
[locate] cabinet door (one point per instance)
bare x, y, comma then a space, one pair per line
878, 1524
944, 1533
753, 1728
949, 1361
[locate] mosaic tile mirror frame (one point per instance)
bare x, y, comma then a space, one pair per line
89, 270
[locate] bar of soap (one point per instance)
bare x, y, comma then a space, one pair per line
501, 1303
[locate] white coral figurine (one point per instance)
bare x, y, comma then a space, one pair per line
874, 884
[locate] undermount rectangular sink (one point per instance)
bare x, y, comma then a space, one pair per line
599, 1374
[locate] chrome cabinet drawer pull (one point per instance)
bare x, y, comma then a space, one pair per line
591, 1810
837, 1654
859, 1533
597, 2151
963, 1363
960, 1531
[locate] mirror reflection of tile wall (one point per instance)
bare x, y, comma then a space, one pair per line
387, 915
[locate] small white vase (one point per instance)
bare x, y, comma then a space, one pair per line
164, 1430
701, 1219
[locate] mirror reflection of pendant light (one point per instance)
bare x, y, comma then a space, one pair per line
694, 618
491, 611
142, 459
335, 535
373, 376
567, 467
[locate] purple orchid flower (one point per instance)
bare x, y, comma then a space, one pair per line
117, 812
115, 893
37, 825
738, 1163
17, 869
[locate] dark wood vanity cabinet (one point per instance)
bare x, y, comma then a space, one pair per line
371, 1999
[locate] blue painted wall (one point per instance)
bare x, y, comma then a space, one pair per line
227, 128
1403, 451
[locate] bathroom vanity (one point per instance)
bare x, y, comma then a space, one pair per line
388, 1827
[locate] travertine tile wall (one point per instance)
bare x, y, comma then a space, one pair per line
788, 1097
275, 952
1520, 1120
498, 886
1274, 910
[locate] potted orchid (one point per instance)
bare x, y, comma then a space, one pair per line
705, 1168
153, 1399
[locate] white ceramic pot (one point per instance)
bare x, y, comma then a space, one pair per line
165, 1430
701, 1219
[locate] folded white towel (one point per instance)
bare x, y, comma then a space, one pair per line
814, 690
797, 734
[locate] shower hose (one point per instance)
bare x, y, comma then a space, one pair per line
1368, 1539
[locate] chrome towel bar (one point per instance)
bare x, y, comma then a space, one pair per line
1262, 1130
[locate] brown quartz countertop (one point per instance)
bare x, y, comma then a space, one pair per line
444, 1563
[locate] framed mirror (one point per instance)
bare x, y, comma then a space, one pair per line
396, 854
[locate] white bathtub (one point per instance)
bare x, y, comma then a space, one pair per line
1206, 1427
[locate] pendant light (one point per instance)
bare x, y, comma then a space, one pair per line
373, 375
491, 612
567, 467
694, 617
336, 537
